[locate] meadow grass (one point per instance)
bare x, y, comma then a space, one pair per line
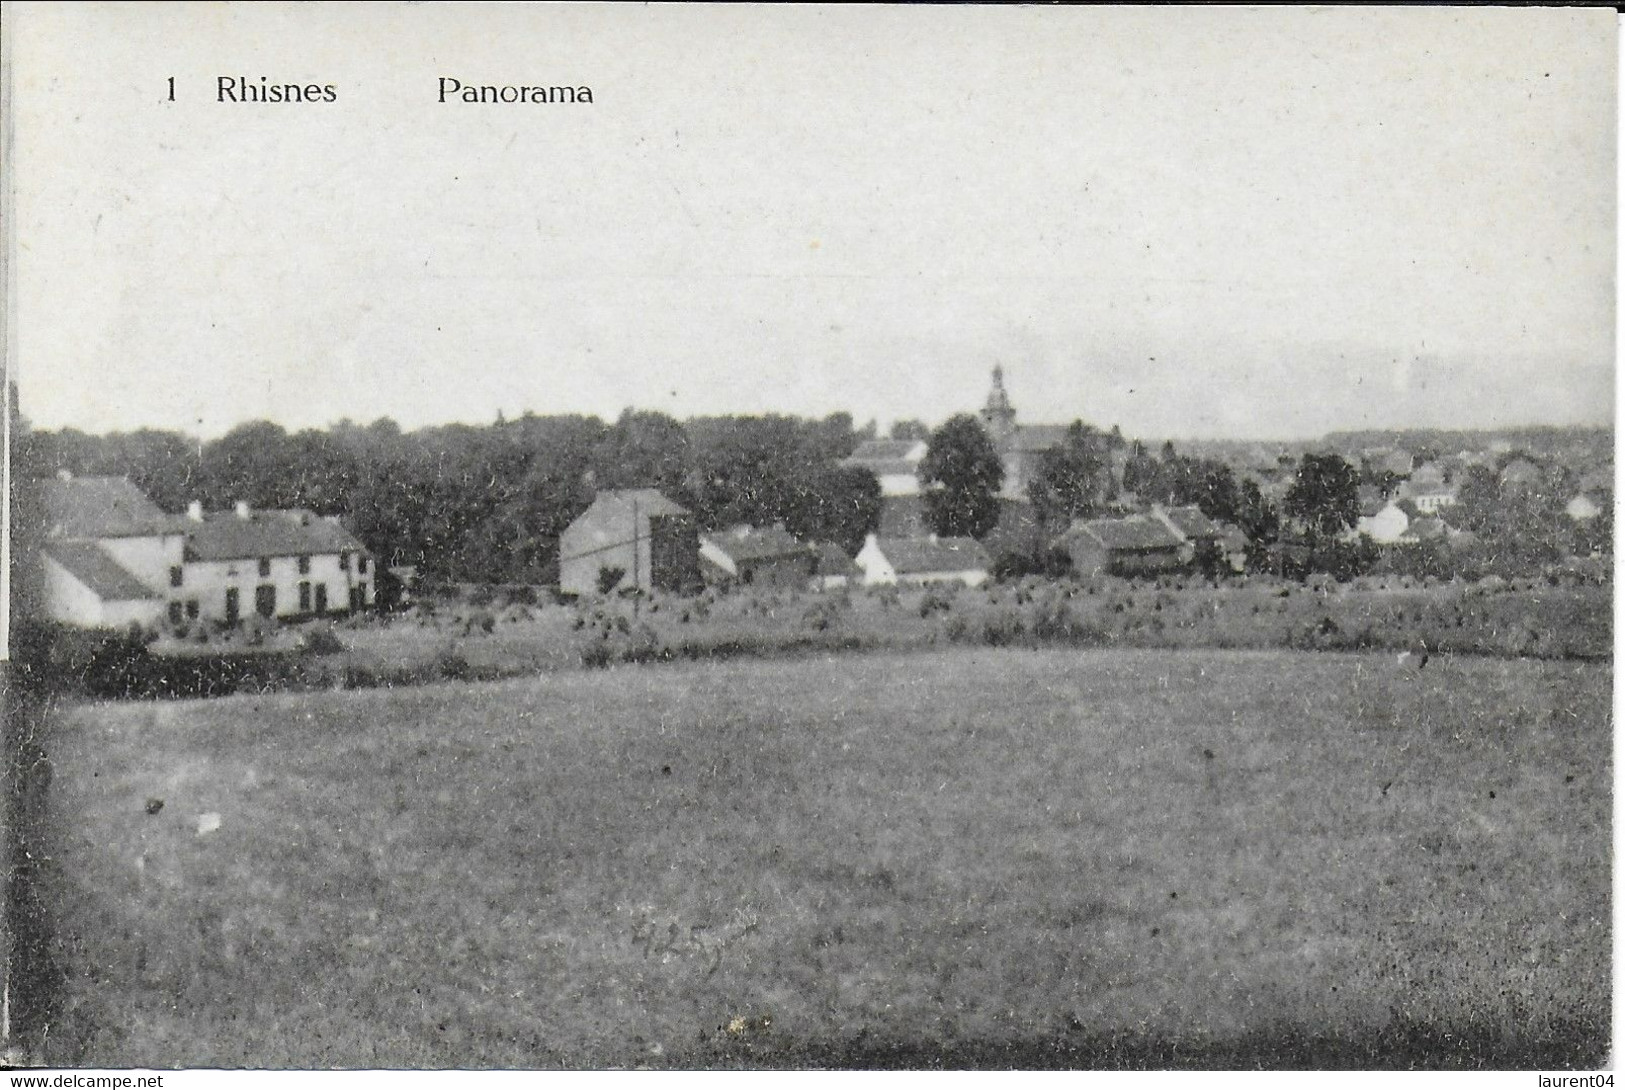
963, 857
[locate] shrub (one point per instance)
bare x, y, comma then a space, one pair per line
820, 615
938, 598
451, 665
1003, 628
323, 641
609, 578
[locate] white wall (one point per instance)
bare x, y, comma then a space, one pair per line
147, 558
206, 582
876, 568
71, 602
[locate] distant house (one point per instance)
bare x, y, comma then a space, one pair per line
1134, 546
279, 564
1429, 488
835, 569
1385, 526
894, 462
749, 556
1521, 473
896, 465
1190, 523
923, 560
649, 539
111, 557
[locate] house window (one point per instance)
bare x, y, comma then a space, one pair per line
344, 561
361, 594
361, 565
191, 609
174, 613
265, 566
304, 565
304, 597
176, 575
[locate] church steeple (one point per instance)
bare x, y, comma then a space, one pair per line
998, 417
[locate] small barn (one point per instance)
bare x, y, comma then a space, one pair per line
650, 541
923, 560
1128, 547
752, 557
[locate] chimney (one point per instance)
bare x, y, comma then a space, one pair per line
932, 539
194, 511
64, 474
242, 509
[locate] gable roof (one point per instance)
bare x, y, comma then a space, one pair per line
91, 565
103, 507
832, 560
886, 467
1191, 522
650, 501
886, 450
914, 555
1133, 534
745, 543
295, 532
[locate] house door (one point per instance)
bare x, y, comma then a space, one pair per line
321, 597
265, 600
231, 606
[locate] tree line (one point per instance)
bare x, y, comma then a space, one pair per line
488, 502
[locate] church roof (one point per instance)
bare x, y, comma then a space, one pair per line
1031, 438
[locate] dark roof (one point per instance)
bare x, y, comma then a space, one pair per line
883, 450
1191, 522
832, 560
91, 565
912, 555
744, 543
1133, 534
1036, 437
649, 500
228, 536
103, 507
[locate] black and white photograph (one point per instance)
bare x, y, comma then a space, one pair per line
908, 538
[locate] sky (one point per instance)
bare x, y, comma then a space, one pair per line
1208, 223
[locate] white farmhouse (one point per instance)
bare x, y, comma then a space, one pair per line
110, 556
280, 564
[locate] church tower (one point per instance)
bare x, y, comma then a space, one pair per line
998, 417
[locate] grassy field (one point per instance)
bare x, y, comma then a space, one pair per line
960, 857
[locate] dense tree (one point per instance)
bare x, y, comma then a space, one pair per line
1325, 495
910, 429
644, 450
1256, 515
1073, 477
962, 473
